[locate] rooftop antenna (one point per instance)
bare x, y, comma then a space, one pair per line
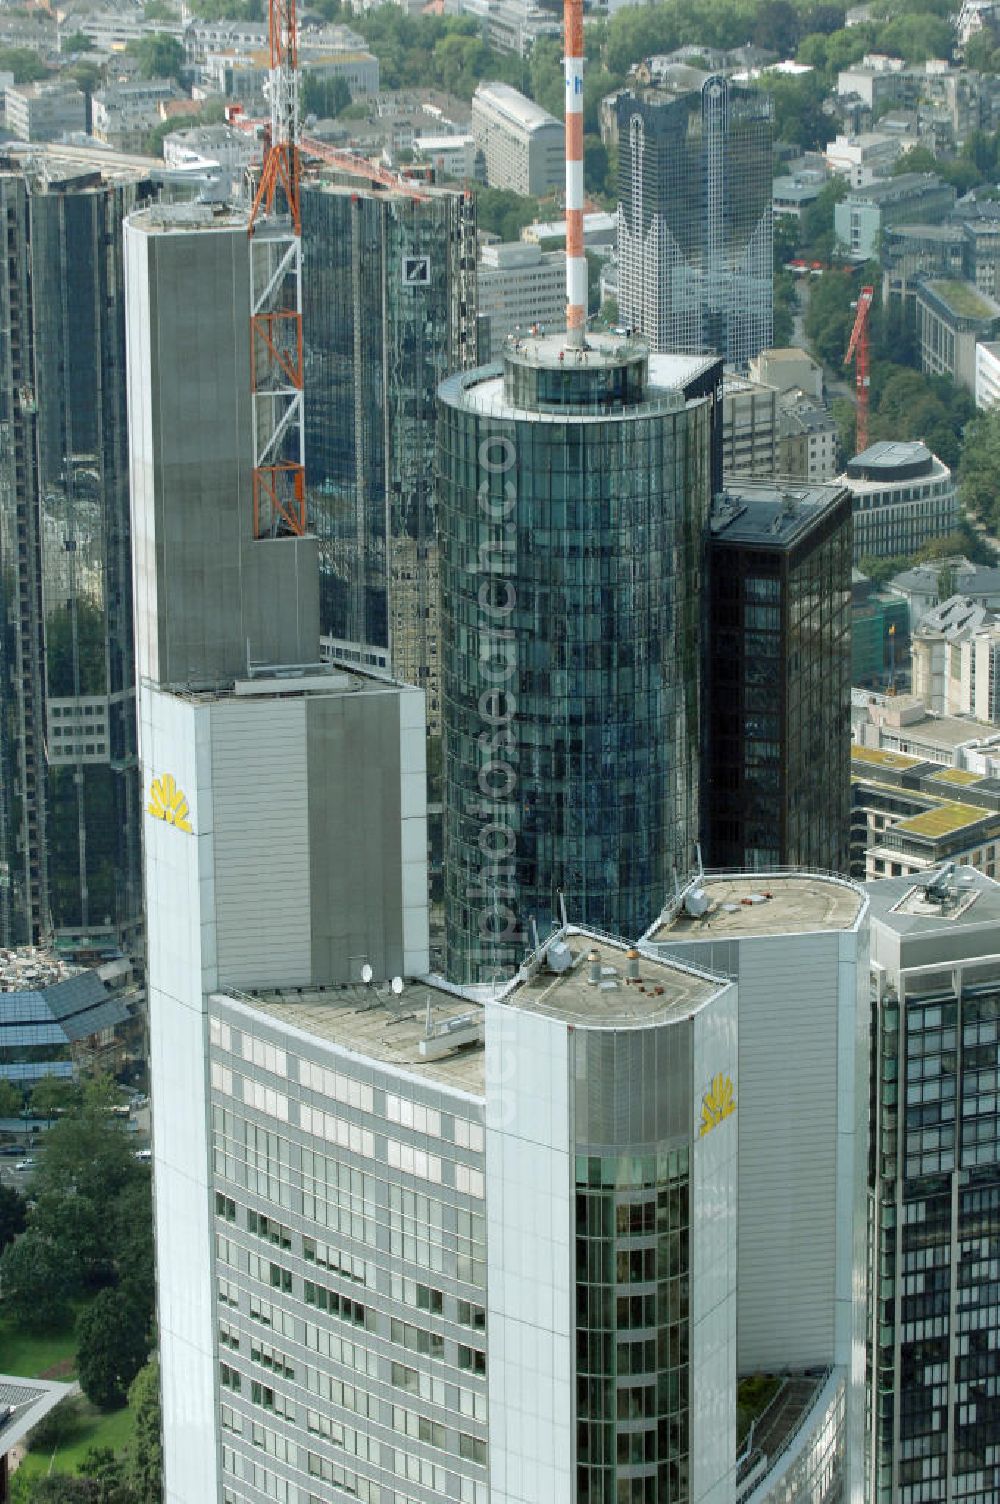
562, 908
576, 261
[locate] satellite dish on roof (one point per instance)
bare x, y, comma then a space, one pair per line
397, 986
366, 974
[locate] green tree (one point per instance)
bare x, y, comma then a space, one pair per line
829, 317
158, 56
11, 1099
59, 1488
915, 38
546, 76
112, 1346
979, 468
784, 308
75, 41
159, 10
596, 167
80, 1231
817, 236
88, 1154
981, 52
35, 1283
26, 66
504, 213
86, 76
798, 108
144, 1463
53, 1094
777, 27
132, 1241
13, 1215
639, 31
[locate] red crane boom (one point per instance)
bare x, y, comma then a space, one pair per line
857, 350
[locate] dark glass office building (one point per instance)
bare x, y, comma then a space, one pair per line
776, 788
695, 222
69, 827
389, 309
574, 489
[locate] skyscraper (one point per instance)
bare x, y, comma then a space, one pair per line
934, 1172
69, 827
776, 784
265, 862
574, 490
694, 220
389, 309
418, 1241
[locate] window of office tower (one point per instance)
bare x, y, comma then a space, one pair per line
632, 1327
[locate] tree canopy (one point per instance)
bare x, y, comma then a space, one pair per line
112, 1346
158, 56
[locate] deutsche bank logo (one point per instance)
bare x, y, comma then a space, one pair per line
416, 271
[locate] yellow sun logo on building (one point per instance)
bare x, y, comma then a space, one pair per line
166, 802
717, 1103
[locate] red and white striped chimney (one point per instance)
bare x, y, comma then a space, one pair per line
576, 261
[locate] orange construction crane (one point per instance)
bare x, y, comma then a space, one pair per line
350, 162
857, 350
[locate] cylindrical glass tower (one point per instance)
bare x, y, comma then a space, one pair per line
573, 491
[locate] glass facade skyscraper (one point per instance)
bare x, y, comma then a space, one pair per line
574, 489
934, 1185
69, 826
776, 790
694, 220
389, 309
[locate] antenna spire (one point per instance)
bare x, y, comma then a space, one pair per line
576, 261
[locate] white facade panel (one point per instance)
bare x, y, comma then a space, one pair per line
789, 997
854, 1106
259, 774
713, 1202
181, 954
530, 1260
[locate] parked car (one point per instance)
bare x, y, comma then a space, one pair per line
26, 1164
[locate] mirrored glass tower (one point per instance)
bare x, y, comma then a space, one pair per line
694, 220
69, 828
573, 488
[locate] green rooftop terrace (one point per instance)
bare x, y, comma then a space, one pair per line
963, 299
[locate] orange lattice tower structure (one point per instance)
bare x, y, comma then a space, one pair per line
276, 362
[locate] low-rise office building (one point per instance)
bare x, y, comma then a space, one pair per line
956, 660
44, 111
903, 497
749, 428
523, 145
910, 198
952, 318
519, 286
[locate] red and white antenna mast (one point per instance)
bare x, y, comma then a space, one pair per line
576, 261
276, 362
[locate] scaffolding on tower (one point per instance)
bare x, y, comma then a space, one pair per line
857, 350
276, 357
